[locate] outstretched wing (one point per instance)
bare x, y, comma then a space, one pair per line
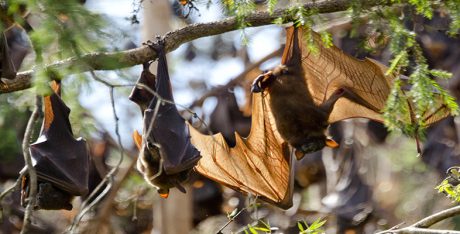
259, 164
328, 69
367, 87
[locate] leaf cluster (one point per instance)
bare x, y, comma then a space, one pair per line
407, 109
314, 228
450, 186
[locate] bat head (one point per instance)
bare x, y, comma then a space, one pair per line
313, 144
149, 163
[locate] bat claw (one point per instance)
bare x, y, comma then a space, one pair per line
180, 187
158, 45
256, 86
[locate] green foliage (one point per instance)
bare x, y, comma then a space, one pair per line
260, 227
12, 125
240, 9
271, 5
407, 110
307, 18
451, 185
453, 8
314, 228
64, 29
356, 9
326, 38
423, 7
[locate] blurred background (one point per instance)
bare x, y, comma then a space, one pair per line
374, 181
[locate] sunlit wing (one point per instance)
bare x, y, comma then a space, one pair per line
258, 165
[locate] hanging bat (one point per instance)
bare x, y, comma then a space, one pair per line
293, 104
166, 155
310, 91
60, 160
7, 68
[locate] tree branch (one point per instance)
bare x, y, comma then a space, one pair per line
422, 225
128, 58
30, 168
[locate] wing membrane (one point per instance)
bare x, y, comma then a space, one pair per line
259, 164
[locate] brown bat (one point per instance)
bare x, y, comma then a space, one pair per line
166, 155
293, 104
61, 161
311, 91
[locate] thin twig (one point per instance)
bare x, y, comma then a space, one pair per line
235, 81
128, 58
108, 179
12, 188
423, 225
30, 169
230, 220
105, 208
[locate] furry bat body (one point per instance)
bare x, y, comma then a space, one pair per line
166, 155
61, 161
312, 90
293, 104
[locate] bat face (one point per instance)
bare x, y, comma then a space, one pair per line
61, 161
166, 154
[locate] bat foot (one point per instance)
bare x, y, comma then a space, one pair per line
262, 81
158, 46
256, 85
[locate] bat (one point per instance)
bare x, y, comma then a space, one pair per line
13, 48
7, 68
166, 155
60, 160
293, 105
312, 90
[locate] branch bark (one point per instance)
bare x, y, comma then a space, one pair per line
423, 225
128, 58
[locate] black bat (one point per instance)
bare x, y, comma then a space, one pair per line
166, 155
7, 69
13, 49
61, 161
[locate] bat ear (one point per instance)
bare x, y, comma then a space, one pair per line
331, 143
164, 193
137, 139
